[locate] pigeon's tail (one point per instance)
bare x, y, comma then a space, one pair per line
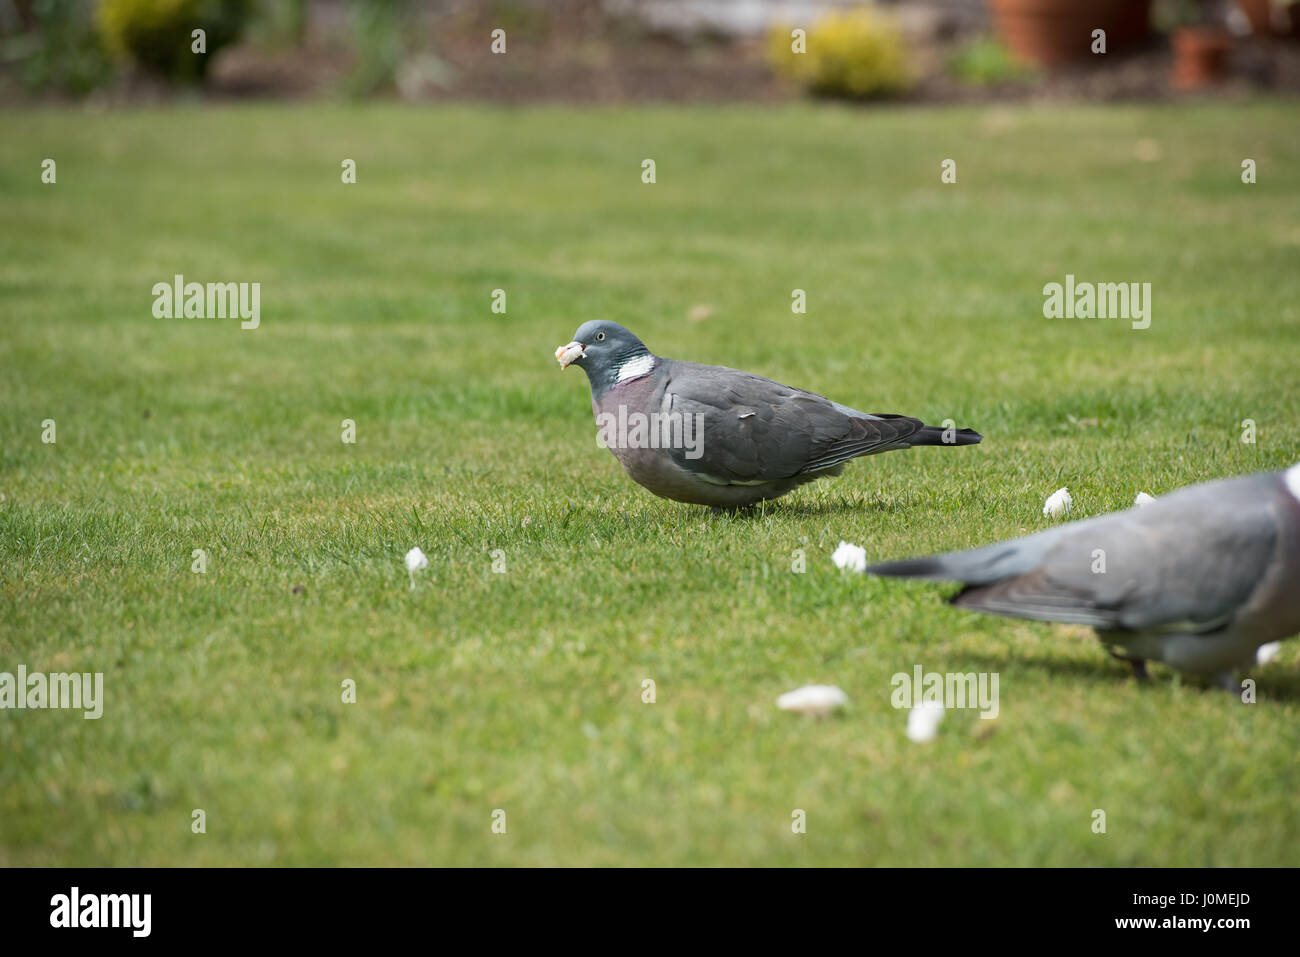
979, 566
937, 435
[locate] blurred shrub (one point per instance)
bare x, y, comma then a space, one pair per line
1169, 15
379, 27
986, 61
280, 23
519, 18
63, 54
854, 53
156, 35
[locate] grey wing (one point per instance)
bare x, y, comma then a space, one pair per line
1187, 562
755, 430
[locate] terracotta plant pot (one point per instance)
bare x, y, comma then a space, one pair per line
1267, 20
1200, 56
1053, 32
1260, 15
1272, 18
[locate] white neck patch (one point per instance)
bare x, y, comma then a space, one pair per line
635, 368
1292, 478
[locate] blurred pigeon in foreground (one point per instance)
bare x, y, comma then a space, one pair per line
708, 435
1198, 579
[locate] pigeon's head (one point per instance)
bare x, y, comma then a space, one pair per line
603, 349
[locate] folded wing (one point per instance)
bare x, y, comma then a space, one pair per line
757, 430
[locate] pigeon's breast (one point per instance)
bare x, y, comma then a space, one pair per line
641, 394
1273, 611
626, 415
631, 418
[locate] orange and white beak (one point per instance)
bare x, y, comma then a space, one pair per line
567, 355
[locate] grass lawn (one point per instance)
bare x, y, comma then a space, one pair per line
522, 690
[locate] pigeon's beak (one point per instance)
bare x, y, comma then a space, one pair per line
567, 355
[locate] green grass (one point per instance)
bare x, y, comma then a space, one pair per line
522, 691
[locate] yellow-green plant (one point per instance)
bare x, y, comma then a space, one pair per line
852, 53
159, 35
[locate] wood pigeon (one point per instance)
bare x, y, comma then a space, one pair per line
708, 435
1198, 579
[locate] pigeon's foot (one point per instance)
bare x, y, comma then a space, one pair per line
1139, 666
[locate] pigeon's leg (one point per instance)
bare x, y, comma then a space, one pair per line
1227, 680
1139, 666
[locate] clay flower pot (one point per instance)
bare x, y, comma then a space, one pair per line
1053, 32
1272, 17
1200, 56
1260, 15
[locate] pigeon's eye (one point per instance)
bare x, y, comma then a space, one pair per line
600, 337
